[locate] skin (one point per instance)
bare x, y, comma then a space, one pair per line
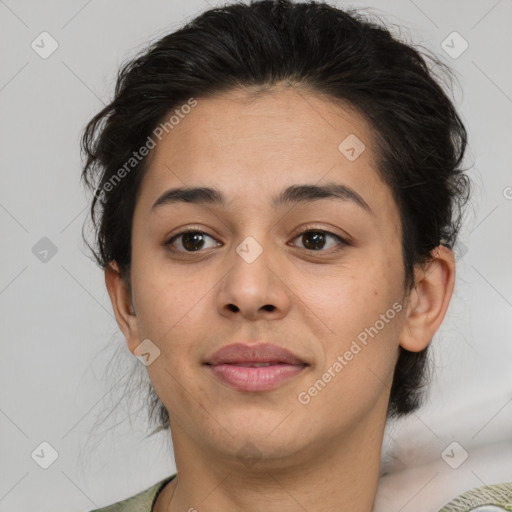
310, 457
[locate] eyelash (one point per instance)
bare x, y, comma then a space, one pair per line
342, 242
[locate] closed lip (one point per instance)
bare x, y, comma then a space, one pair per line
241, 353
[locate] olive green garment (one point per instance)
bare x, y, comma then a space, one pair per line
481, 499
491, 498
142, 502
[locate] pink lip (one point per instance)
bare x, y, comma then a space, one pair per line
236, 365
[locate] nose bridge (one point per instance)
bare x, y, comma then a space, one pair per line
251, 263
252, 284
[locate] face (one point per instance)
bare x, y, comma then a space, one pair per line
317, 274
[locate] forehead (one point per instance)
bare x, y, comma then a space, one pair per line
252, 146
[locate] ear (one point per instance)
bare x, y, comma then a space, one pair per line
428, 301
122, 305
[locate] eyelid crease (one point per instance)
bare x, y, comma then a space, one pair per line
312, 227
188, 229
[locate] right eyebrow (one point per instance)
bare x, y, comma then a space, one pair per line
196, 195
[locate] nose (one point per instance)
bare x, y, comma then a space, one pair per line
254, 288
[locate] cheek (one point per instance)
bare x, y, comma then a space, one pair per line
361, 308
357, 365
353, 296
166, 300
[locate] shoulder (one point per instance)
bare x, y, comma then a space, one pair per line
141, 502
491, 498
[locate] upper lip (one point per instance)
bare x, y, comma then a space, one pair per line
260, 353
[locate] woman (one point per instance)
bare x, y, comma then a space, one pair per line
278, 189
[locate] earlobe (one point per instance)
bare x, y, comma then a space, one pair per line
122, 305
429, 300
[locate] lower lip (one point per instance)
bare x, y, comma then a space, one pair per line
262, 378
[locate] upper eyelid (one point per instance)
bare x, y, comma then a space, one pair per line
185, 231
309, 227
341, 239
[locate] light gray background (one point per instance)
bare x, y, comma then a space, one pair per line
58, 331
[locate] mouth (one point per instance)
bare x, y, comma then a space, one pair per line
255, 368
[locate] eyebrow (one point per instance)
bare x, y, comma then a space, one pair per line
294, 194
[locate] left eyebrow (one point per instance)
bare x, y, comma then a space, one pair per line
294, 194
307, 193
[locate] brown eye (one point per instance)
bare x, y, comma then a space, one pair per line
316, 240
190, 241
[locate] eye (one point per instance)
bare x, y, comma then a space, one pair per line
316, 239
191, 241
